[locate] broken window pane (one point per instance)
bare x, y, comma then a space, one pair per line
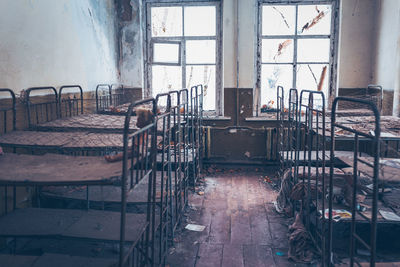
271, 77
166, 21
200, 21
309, 76
200, 52
314, 19
278, 20
166, 78
313, 50
277, 50
203, 75
166, 53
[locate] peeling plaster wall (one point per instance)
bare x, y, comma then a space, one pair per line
355, 67
48, 42
131, 61
388, 41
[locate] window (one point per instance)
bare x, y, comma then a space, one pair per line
183, 49
294, 48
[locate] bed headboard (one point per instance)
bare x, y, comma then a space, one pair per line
45, 108
70, 106
5, 111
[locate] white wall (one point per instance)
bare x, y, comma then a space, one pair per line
355, 66
245, 39
387, 42
56, 42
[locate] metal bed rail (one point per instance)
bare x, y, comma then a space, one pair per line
292, 129
103, 97
68, 106
280, 117
118, 95
314, 153
166, 198
4, 110
196, 130
5, 128
355, 239
43, 111
184, 112
177, 170
139, 162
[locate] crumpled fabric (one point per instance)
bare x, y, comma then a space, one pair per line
300, 192
301, 248
282, 203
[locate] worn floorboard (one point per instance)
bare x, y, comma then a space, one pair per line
242, 228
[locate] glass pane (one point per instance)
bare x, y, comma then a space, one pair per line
204, 75
314, 19
271, 77
166, 21
309, 76
278, 20
277, 50
200, 21
166, 53
200, 52
166, 78
313, 50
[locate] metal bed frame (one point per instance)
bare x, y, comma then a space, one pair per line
293, 126
375, 139
184, 104
313, 124
43, 111
280, 136
139, 162
118, 95
196, 133
103, 96
132, 171
72, 107
108, 96
4, 112
166, 210
177, 168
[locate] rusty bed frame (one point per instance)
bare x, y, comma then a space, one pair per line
311, 141
138, 164
184, 135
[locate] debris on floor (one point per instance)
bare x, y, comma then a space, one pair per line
282, 203
300, 244
195, 227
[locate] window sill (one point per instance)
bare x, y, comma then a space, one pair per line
261, 118
216, 118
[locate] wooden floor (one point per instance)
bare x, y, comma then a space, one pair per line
242, 228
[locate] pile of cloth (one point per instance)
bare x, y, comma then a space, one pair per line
301, 247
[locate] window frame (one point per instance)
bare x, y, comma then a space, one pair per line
333, 55
149, 40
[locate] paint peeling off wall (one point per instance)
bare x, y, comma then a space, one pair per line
47, 42
131, 61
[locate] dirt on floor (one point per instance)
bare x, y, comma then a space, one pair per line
242, 227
